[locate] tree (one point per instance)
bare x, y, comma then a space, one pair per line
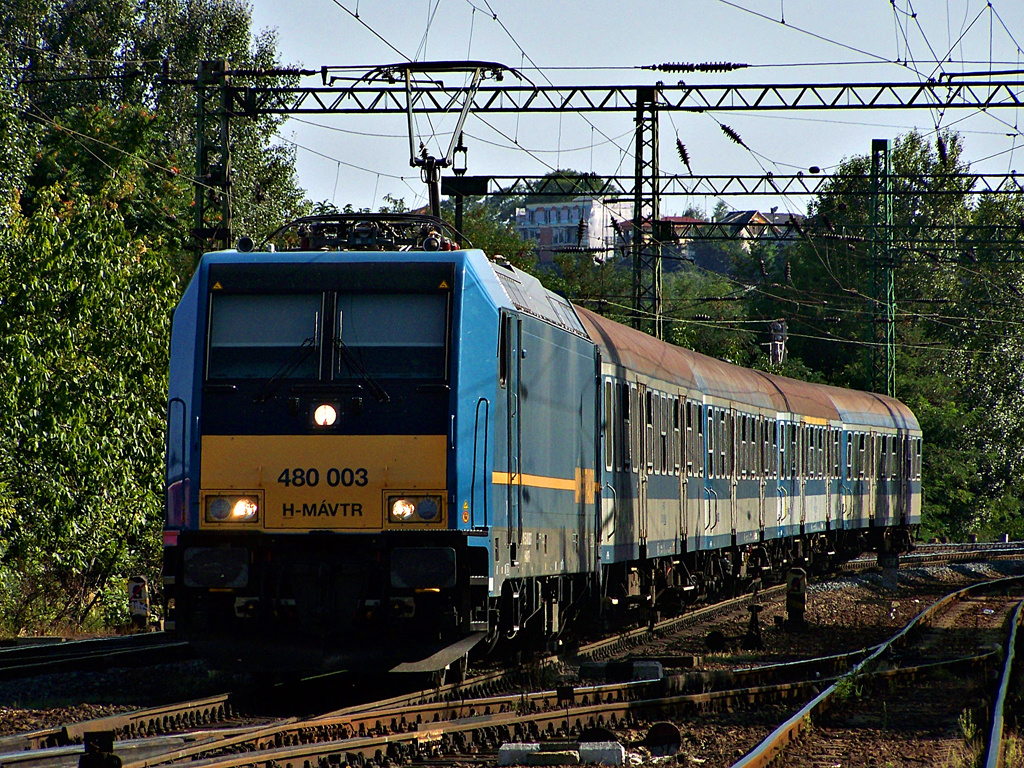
83, 332
96, 190
112, 54
959, 343
484, 228
704, 312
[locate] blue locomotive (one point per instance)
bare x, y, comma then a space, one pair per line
383, 448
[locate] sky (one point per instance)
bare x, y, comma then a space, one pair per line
360, 159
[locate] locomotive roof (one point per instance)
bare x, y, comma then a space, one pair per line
528, 294
640, 352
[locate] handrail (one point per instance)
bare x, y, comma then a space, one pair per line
844, 491
472, 482
781, 514
708, 525
615, 507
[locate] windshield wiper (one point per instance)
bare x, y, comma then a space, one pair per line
353, 362
302, 352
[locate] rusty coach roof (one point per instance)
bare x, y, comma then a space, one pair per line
638, 351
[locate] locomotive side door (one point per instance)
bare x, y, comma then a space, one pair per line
511, 332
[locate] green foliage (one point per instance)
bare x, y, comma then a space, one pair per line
601, 286
123, 46
95, 212
702, 310
485, 230
84, 328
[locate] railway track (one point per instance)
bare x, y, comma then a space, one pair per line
90, 655
903, 702
475, 716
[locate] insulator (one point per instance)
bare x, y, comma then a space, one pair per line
673, 66
789, 272
580, 229
702, 317
711, 66
683, 154
720, 66
814, 169
940, 145
764, 269
732, 135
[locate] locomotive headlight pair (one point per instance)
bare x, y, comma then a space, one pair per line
232, 509
414, 509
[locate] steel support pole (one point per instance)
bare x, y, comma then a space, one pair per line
883, 268
213, 157
646, 244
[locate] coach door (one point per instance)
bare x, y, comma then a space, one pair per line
511, 373
645, 447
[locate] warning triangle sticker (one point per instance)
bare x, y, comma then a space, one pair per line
217, 286
444, 284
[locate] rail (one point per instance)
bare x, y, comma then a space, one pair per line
769, 750
994, 757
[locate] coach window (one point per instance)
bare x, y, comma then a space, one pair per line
393, 335
725, 444
691, 437
741, 441
782, 450
836, 454
659, 435
666, 432
624, 429
710, 440
609, 429
698, 453
757, 448
649, 430
816, 451
627, 431
613, 428
263, 336
637, 436
791, 450
677, 436
795, 454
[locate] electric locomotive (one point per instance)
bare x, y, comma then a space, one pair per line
384, 448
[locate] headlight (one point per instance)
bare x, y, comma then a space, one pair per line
232, 509
414, 509
325, 415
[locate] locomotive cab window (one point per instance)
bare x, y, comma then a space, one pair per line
399, 336
258, 336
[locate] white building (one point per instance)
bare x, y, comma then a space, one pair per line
555, 226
